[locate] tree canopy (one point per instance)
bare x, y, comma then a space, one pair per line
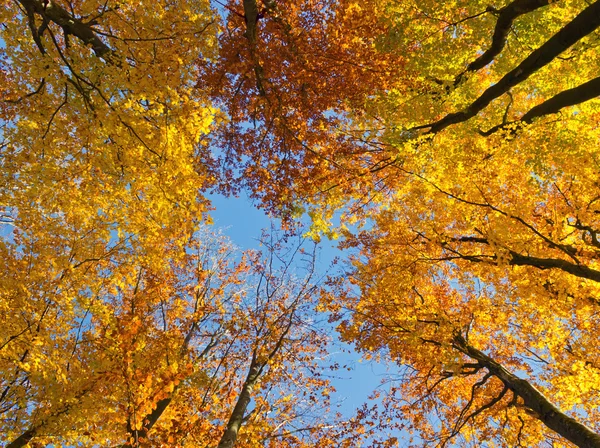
451, 147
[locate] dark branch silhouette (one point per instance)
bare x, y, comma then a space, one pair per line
506, 17
582, 25
566, 98
533, 399
71, 25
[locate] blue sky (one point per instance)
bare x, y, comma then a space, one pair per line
242, 222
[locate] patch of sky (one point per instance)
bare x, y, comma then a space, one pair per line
243, 223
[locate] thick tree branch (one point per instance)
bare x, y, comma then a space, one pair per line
570, 97
251, 17
237, 415
256, 370
577, 270
149, 421
49, 11
506, 17
161, 406
516, 259
582, 25
25, 437
544, 410
259, 363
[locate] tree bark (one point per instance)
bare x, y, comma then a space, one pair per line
570, 97
151, 418
237, 416
506, 17
544, 410
516, 259
582, 25
23, 439
577, 270
52, 12
251, 17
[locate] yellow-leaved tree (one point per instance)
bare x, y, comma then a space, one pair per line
215, 348
100, 130
127, 322
458, 142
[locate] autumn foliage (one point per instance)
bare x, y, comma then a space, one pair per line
452, 147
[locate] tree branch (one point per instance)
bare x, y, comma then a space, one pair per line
506, 17
543, 409
566, 98
50, 11
516, 259
582, 25
27, 95
237, 415
251, 17
577, 270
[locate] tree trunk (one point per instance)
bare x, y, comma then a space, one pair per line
237, 416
